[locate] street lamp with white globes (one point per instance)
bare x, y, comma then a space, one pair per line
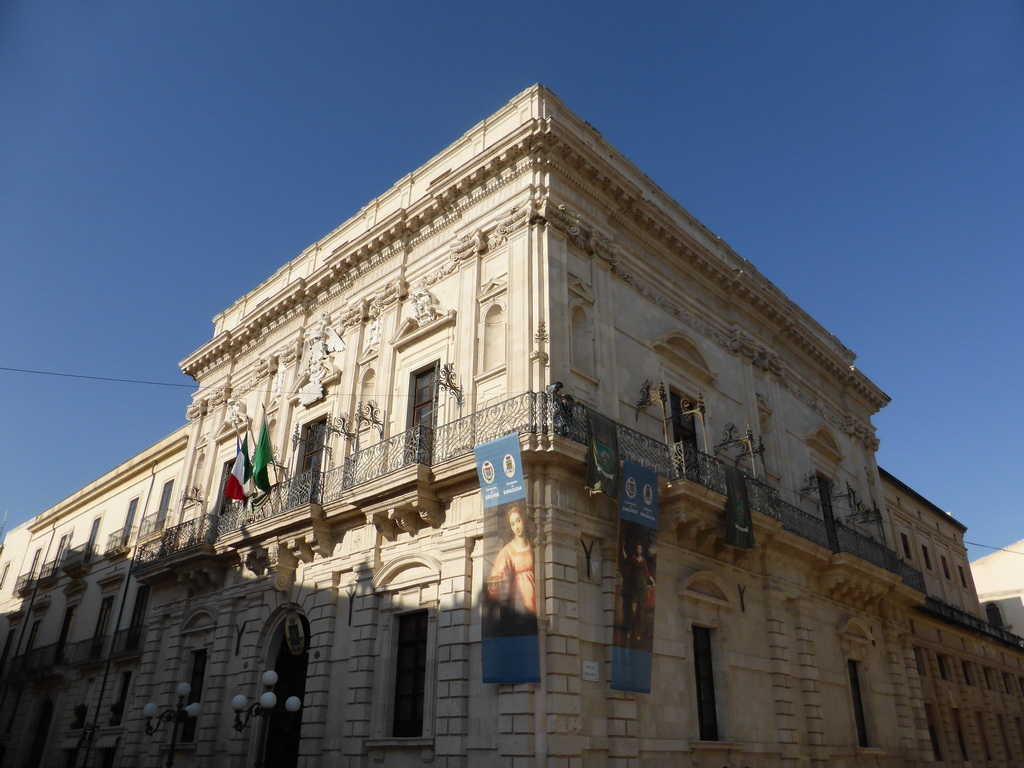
177, 715
261, 708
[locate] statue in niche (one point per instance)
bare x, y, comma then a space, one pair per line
278, 386
373, 329
422, 306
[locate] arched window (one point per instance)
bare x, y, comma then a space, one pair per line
995, 616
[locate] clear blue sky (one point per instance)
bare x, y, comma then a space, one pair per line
158, 160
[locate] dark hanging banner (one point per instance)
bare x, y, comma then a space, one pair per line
602, 455
510, 651
739, 528
633, 638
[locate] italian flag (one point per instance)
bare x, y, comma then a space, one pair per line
239, 485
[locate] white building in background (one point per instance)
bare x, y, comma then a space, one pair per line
527, 253
999, 577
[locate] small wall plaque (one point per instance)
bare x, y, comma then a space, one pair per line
591, 671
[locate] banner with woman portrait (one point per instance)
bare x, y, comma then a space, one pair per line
508, 619
633, 638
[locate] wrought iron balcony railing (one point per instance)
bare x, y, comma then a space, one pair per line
118, 540
153, 523
80, 555
40, 660
85, 651
128, 641
48, 571
529, 413
965, 620
201, 530
25, 583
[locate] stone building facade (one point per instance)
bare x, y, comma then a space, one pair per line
439, 317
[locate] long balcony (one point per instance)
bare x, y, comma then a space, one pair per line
959, 618
529, 413
40, 662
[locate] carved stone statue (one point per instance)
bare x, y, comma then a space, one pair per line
422, 306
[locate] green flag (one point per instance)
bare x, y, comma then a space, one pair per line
262, 459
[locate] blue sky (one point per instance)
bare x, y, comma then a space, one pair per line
158, 160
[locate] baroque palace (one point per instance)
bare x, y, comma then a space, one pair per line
526, 279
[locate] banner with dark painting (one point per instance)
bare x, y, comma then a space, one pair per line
634, 605
508, 620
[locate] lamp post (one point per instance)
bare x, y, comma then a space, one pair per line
177, 715
262, 708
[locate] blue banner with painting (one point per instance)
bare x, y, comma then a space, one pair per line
633, 640
508, 620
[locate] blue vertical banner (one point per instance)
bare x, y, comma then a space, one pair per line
508, 604
633, 639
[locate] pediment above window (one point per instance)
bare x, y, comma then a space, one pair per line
411, 331
678, 352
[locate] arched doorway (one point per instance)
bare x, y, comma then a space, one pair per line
42, 731
289, 661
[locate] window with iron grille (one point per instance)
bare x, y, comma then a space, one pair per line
188, 730
410, 674
707, 715
858, 703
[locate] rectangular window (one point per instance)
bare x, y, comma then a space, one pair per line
1006, 683
165, 501
945, 566
983, 735
858, 703
707, 712
959, 727
314, 443
410, 674
94, 533
117, 708
188, 730
927, 557
141, 604
65, 631
922, 667
7, 652
102, 620
1007, 754
62, 547
35, 562
963, 577
129, 521
32, 633
3, 578
907, 551
966, 667
423, 388
932, 732
222, 486
943, 666
988, 678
